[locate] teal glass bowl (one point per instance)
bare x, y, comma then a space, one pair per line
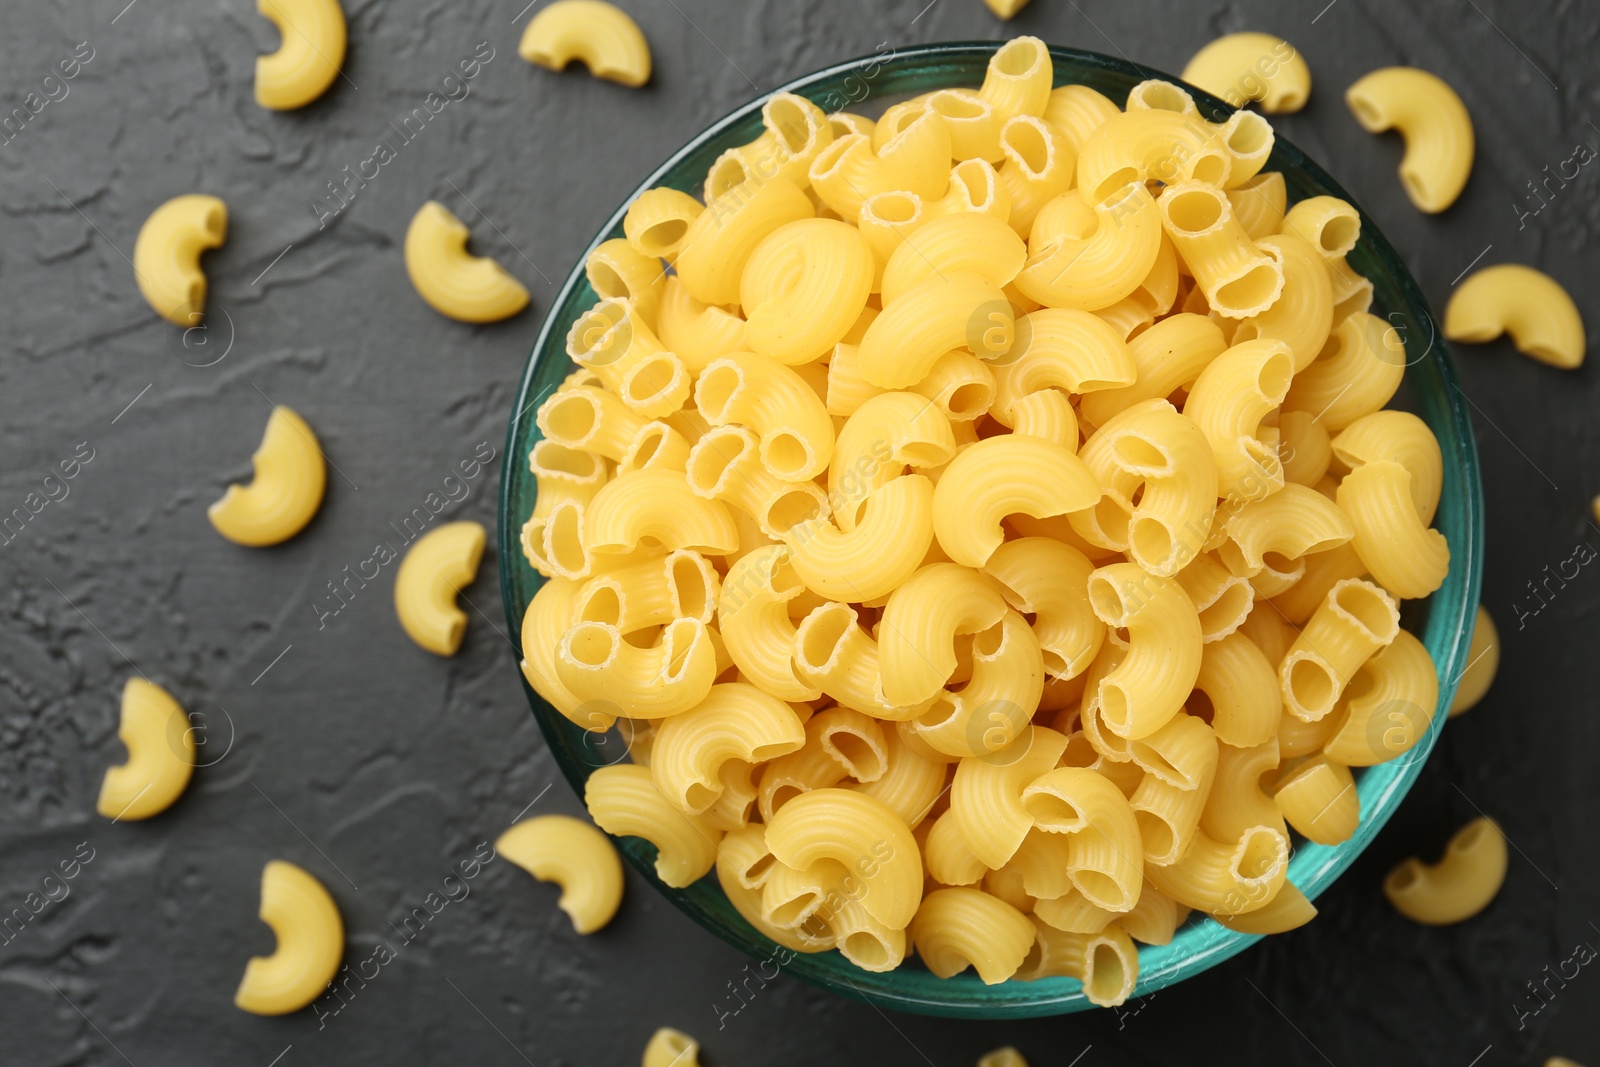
1443, 621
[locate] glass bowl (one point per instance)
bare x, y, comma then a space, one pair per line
1443, 621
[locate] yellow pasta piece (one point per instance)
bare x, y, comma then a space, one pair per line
657, 223
871, 560
1156, 94
1288, 910
832, 653
1248, 138
794, 132
1150, 685
600, 36
1281, 530
753, 614
1240, 685
657, 504
803, 287
774, 402
1433, 121
1259, 204
310, 935
987, 793
921, 619
1166, 357
1077, 111
1318, 798
1239, 277
1402, 437
549, 616
594, 662
1105, 961
911, 784
1149, 144
1105, 856
1241, 67
955, 310
863, 835
1049, 580
1237, 800
1227, 878
735, 721
290, 476
166, 255
1168, 809
1355, 620
436, 567
1002, 476
1222, 599
1302, 316
1074, 351
574, 855
959, 927
1483, 662
1330, 225
452, 281
1038, 167
1103, 252
624, 802
311, 48
160, 744
722, 238
725, 465
1229, 400
1406, 557
1153, 920
1007, 1056
1527, 304
1460, 885
671, 1048
1389, 705
616, 270
916, 160
965, 242
1018, 79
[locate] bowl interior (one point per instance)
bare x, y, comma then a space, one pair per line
1442, 621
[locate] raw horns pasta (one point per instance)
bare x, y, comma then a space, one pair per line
1004, 558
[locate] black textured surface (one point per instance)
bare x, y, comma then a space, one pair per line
337, 744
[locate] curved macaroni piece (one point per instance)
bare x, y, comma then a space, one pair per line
1156, 94
871, 560
1103, 253
549, 616
1222, 599
1389, 705
1330, 225
671, 1048
885, 434
735, 721
795, 131
161, 748
436, 567
657, 504
912, 783
1288, 910
1259, 204
1318, 798
776, 403
166, 255
863, 835
1018, 78
1460, 885
1105, 961
722, 238
1304, 446
915, 160
971, 120
1077, 111
652, 592
1227, 878
944, 312
1483, 662
290, 476
452, 281
1433, 121
1049, 414
1241, 686
1150, 144
1237, 801
945, 851
1042, 577
1228, 402
1290, 524
597, 34
1038, 167
574, 855
1403, 438
613, 341
698, 333
1166, 357
987, 794
1355, 620
1528, 304
1007, 1056
803, 287
959, 927
1302, 316
1105, 856
834, 654
1075, 351
657, 222
310, 936
964, 242
724, 465
1238, 277
743, 866
313, 41
1157, 675
1406, 557
1180, 762
753, 614
1001, 476
595, 663
921, 619
618, 271
1249, 139
563, 474
1241, 67
624, 802
1171, 455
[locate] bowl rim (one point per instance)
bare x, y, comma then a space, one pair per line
1380, 788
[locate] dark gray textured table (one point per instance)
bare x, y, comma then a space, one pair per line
335, 743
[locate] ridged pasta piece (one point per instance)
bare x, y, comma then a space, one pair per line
1039, 166
1248, 138
986, 795
834, 654
1105, 855
958, 927
915, 160
450, 280
574, 855
1320, 573
1168, 813
1464, 881
658, 220
953, 310
1259, 204
1103, 254
166, 255
1302, 316
1279, 531
1318, 797
950, 861
794, 132
776, 403
1228, 401
599, 35
1221, 598
1389, 705
885, 435
862, 834
1166, 357
1048, 414
722, 238
878, 555
972, 122
1238, 800
161, 754
1240, 685
1433, 121
698, 333
563, 473
1072, 913
1074, 351
623, 801
1288, 910
1355, 620
312, 40
1151, 683
591, 419
612, 340
1230, 878
671, 1048
1402, 437
1002, 476
1357, 372
1007, 1056
1155, 919
1077, 111
965, 242
1018, 78
1304, 447
1171, 455
1241, 67
549, 616
753, 616
657, 504
1141, 145
1483, 662
1158, 94
921, 619
616, 270
594, 662
1106, 962
725, 465
743, 865
735, 721
912, 783
1405, 556
1042, 577
1527, 304
1239, 277
803, 287
997, 701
